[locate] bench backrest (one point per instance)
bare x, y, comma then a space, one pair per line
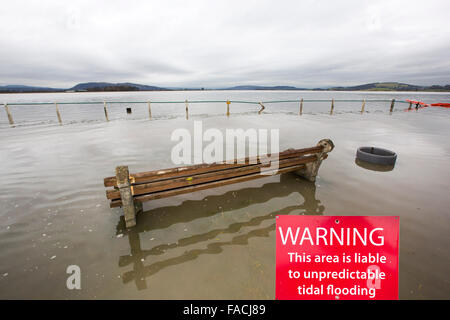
169, 182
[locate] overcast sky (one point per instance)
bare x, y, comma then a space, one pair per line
224, 43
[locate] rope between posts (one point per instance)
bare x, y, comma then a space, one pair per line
187, 103
195, 101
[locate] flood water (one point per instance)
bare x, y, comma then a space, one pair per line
218, 243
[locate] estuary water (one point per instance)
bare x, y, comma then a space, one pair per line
217, 243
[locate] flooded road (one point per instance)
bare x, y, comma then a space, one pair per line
218, 243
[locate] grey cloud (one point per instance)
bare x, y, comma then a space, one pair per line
212, 44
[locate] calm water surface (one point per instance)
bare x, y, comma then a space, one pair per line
217, 243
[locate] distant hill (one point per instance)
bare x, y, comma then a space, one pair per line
88, 86
106, 86
128, 86
250, 87
377, 86
390, 86
20, 89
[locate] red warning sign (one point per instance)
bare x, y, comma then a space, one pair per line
337, 257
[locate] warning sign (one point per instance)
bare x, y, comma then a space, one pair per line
337, 257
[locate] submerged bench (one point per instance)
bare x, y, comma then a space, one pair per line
129, 191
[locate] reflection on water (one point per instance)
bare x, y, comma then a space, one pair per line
373, 166
191, 210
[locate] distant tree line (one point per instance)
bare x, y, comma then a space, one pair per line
437, 87
113, 88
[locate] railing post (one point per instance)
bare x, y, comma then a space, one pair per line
392, 105
332, 106
228, 107
301, 107
187, 109
106, 110
363, 106
262, 107
149, 110
10, 118
58, 114
123, 183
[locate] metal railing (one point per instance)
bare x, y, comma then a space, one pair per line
187, 102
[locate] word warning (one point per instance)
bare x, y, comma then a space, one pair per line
337, 257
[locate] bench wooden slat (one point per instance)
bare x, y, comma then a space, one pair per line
179, 172
131, 190
141, 189
208, 185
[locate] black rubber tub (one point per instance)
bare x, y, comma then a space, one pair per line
374, 167
376, 156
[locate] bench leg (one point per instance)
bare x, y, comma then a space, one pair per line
138, 207
310, 171
123, 182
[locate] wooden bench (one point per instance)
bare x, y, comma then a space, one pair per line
129, 191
